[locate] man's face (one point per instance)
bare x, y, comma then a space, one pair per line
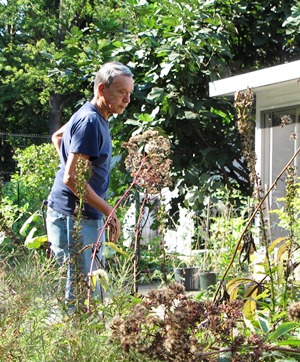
117, 96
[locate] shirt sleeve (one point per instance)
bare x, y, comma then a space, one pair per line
85, 138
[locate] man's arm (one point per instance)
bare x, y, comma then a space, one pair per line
91, 197
57, 138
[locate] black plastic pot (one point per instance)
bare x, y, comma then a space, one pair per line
189, 277
207, 279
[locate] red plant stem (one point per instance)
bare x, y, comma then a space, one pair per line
98, 242
264, 348
136, 242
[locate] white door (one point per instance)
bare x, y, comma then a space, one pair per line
280, 140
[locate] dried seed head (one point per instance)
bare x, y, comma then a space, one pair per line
245, 125
294, 311
148, 154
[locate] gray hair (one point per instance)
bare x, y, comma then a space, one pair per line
108, 72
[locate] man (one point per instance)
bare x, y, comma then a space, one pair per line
86, 136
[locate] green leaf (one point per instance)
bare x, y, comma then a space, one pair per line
283, 250
232, 285
133, 122
156, 94
36, 242
191, 115
108, 252
115, 160
249, 307
289, 342
101, 276
264, 325
282, 329
117, 249
145, 117
166, 67
30, 235
34, 217
276, 242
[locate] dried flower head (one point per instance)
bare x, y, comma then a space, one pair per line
285, 120
167, 325
294, 311
148, 155
293, 136
245, 125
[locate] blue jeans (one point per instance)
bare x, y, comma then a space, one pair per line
60, 235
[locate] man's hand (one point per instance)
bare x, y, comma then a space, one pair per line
114, 228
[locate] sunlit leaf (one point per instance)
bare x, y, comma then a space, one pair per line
166, 67
117, 249
275, 243
249, 309
282, 250
236, 282
156, 94
34, 217
35, 242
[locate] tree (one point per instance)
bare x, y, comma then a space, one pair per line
49, 53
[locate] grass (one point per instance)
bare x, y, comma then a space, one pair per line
33, 324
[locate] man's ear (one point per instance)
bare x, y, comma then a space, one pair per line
100, 89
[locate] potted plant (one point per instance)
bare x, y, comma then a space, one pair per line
196, 271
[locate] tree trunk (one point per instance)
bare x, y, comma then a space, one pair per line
56, 109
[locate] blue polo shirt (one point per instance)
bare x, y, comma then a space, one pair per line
87, 132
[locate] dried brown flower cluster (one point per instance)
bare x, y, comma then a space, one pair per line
294, 312
169, 326
245, 124
285, 120
148, 154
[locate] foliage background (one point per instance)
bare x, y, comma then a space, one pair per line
50, 51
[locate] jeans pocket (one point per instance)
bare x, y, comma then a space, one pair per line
53, 215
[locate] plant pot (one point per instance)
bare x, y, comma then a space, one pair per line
189, 277
207, 279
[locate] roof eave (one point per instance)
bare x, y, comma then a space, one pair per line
260, 78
